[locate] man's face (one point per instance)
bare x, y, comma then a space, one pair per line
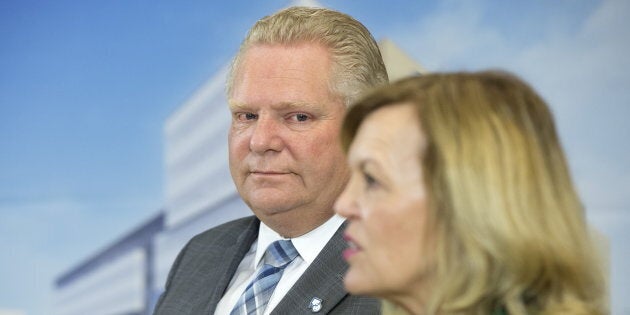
285, 156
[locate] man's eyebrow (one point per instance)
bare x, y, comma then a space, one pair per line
236, 106
298, 106
278, 106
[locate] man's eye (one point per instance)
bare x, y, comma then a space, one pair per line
246, 116
300, 117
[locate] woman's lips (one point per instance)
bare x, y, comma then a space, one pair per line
353, 248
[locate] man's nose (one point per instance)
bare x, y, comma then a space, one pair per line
266, 135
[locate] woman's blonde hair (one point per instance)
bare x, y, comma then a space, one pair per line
511, 231
357, 61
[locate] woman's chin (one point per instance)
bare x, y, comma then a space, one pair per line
357, 283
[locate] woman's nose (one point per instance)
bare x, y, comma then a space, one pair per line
346, 204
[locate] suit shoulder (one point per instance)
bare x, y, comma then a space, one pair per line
359, 305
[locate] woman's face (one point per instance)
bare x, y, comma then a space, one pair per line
385, 203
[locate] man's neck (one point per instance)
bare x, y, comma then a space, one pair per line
292, 225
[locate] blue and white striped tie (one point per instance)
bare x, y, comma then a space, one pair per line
257, 294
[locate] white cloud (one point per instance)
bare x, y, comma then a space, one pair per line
451, 37
29, 241
41, 239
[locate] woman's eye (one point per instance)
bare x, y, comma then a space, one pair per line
370, 181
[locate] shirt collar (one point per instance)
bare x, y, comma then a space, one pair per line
308, 245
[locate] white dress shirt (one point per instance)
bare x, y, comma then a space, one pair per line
308, 246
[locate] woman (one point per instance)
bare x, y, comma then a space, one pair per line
461, 202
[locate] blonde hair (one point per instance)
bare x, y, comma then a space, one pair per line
357, 61
511, 231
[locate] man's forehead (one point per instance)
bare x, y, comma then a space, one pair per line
283, 105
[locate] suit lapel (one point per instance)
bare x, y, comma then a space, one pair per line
220, 270
323, 279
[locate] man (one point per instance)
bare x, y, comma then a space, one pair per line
290, 83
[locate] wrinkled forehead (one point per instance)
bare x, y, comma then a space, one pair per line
283, 74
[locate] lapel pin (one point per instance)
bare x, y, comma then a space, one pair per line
316, 305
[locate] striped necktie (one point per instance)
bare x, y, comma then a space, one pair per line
257, 294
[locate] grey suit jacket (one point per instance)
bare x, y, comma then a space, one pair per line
203, 270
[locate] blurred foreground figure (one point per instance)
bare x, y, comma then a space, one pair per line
460, 202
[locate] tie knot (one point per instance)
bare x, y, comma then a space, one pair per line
280, 253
